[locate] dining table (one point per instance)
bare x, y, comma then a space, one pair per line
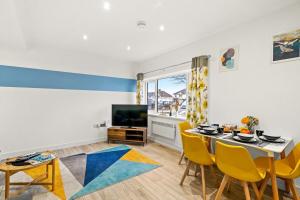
270, 148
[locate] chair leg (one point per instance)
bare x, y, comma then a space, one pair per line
263, 186
222, 186
213, 172
203, 182
228, 189
246, 190
186, 172
181, 158
257, 194
293, 189
196, 170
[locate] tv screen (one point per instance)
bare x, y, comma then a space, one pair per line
129, 115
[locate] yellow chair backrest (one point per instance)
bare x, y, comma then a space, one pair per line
195, 149
294, 161
236, 162
185, 125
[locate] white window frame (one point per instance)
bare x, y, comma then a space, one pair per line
156, 78
145, 101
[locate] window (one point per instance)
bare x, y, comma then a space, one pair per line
151, 96
170, 93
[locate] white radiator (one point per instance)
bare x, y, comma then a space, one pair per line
164, 129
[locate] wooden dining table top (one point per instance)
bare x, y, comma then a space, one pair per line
268, 147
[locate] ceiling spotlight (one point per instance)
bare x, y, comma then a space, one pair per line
161, 27
84, 37
106, 5
128, 48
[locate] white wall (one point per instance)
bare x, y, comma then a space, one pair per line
260, 88
60, 60
268, 91
38, 119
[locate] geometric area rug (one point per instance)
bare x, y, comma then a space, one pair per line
82, 174
97, 170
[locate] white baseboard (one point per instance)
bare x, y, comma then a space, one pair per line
172, 146
56, 147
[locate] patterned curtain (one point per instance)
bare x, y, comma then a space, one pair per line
197, 91
139, 88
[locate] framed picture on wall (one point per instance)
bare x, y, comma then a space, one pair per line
228, 59
286, 46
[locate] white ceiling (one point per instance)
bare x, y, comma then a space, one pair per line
60, 24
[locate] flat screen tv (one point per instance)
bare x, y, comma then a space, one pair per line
129, 115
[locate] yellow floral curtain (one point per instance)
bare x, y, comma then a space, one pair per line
139, 88
138, 91
197, 91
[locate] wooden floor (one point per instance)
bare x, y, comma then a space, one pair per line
161, 183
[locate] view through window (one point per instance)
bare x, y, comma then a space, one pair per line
171, 95
151, 96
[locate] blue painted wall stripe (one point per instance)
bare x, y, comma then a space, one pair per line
38, 78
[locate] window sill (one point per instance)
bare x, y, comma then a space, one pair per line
180, 118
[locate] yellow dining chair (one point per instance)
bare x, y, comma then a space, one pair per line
196, 151
287, 169
236, 162
183, 126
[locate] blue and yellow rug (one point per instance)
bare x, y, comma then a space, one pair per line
107, 167
82, 174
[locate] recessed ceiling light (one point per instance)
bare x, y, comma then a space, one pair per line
106, 5
128, 48
158, 4
161, 27
85, 37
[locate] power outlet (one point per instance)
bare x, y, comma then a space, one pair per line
103, 124
100, 124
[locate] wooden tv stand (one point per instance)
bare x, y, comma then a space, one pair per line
130, 135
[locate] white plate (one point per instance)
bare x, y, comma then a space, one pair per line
204, 125
243, 135
208, 133
237, 138
280, 140
210, 129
